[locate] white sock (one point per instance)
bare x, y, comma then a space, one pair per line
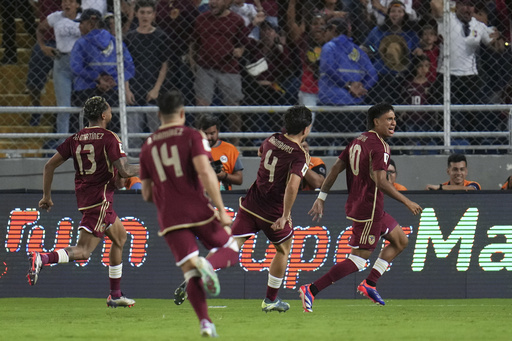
63, 256
115, 271
274, 282
360, 262
381, 265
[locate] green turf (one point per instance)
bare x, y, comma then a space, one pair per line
149, 319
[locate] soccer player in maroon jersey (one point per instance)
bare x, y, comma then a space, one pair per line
98, 157
268, 203
366, 161
175, 172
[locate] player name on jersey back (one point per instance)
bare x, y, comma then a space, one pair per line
89, 136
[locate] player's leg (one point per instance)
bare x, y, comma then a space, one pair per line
117, 234
219, 258
87, 242
275, 278
397, 243
391, 231
361, 251
184, 248
354, 262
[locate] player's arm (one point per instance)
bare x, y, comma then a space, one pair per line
126, 170
385, 186
313, 178
46, 202
317, 210
290, 194
147, 190
210, 183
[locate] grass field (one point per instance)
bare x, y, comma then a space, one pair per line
152, 319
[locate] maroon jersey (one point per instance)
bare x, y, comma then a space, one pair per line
166, 159
364, 155
280, 157
217, 37
94, 151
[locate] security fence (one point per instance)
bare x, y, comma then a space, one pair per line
249, 64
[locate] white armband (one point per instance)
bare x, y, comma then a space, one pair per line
322, 196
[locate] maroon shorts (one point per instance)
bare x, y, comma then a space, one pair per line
98, 219
365, 235
246, 225
183, 242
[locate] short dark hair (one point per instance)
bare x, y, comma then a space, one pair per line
206, 121
94, 107
296, 119
377, 111
169, 102
144, 3
392, 163
457, 158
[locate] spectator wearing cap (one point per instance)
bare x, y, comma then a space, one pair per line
94, 64
346, 75
466, 35
390, 46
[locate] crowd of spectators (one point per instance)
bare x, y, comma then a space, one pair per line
314, 52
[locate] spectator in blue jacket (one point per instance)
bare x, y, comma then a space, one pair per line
346, 75
346, 72
94, 65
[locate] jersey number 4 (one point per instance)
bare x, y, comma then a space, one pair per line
161, 158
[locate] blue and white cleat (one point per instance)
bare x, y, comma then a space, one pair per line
277, 305
307, 298
370, 292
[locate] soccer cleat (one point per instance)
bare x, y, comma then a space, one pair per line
276, 305
370, 292
208, 329
122, 301
307, 298
180, 294
35, 266
208, 276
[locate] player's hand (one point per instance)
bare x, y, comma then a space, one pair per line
317, 211
224, 219
46, 204
432, 187
280, 223
414, 207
